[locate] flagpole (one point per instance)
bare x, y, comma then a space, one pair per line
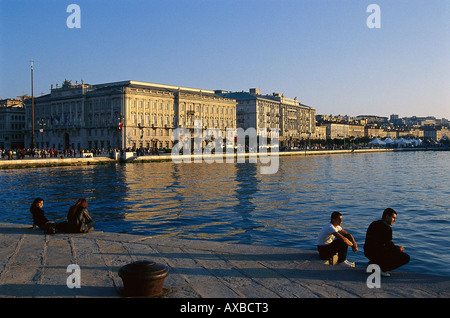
32, 108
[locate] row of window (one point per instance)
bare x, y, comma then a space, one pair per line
11, 136
12, 117
106, 144
3, 126
170, 106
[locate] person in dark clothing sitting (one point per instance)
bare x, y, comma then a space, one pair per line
39, 218
79, 219
379, 247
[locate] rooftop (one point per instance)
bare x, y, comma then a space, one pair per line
255, 93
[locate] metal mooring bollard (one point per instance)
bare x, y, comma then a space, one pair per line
143, 278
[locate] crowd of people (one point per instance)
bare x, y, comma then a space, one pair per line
37, 153
32, 153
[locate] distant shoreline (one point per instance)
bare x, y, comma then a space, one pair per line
55, 162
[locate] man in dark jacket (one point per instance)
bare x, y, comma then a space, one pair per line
379, 247
79, 219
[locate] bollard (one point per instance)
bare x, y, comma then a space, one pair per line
143, 278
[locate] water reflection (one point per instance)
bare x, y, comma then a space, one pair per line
246, 189
172, 199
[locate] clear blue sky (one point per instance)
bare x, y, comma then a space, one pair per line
321, 52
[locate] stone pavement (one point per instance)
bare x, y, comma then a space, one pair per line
34, 264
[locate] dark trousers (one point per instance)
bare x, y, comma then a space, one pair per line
388, 260
67, 227
48, 227
336, 247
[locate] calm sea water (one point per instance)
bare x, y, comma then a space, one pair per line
234, 203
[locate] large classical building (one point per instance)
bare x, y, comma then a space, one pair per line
123, 115
294, 121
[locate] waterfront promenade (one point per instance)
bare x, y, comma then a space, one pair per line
34, 264
70, 161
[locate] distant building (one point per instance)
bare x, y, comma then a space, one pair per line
396, 121
127, 114
336, 131
372, 119
436, 133
294, 121
372, 132
12, 123
320, 133
333, 130
420, 121
333, 118
356, 131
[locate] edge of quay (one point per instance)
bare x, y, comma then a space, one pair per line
54, 162
34, 265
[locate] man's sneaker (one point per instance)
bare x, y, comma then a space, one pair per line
346, 263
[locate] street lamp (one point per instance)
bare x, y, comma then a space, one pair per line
141, 128
120, 118
42, 124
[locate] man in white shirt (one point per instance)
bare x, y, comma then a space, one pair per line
334, 240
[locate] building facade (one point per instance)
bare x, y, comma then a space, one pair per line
436, 133
123, 115
12, 123
294, 121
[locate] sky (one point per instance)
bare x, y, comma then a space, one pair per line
322, 52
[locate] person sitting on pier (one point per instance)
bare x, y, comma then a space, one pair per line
379, 247
39, 218
79, 219
334, 240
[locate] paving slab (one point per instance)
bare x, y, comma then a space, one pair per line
34, 265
